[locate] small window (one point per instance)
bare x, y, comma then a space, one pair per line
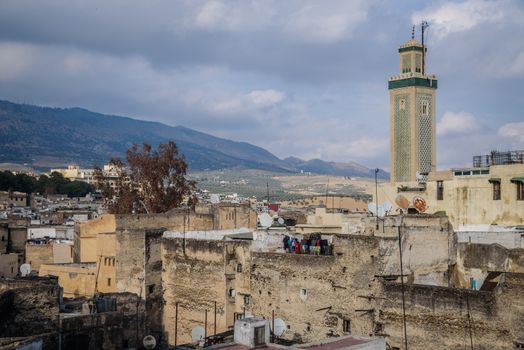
520, 191
151, 288
425, 108
231, 292
239, 267
440, 190
496, 190
346, 326
109, 282
238, 316
247, 299
303, 293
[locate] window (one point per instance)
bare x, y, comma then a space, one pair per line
239, 267
151, 288
303, 294
520, 191
496, 190
440, 190
247, 299
109, 282
231, 293
425, 108
346, 326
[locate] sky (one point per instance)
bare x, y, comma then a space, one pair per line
305, 78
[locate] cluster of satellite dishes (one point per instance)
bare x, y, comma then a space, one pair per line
380, 210
267, 220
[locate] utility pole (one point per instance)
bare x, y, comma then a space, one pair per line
402, 285
376, 194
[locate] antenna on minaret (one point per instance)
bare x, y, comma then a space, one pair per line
423, 27
413, 33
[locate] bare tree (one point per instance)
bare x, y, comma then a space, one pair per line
154, 182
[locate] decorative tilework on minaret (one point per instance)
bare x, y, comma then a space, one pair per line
412, 116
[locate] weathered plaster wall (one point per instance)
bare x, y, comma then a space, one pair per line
448, 316
38, 254
77, 280
198, 273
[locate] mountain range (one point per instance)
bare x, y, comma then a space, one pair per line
44, 137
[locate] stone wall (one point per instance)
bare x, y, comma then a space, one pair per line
8, 265
451, 318
476, 260
28, 306
38, 254
4, 238
198, 274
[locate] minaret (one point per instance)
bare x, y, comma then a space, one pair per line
412, 115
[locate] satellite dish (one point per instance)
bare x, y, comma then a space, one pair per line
280, 327
214, 198
420, 204
387, 206
372, 207
281, 221
265, 220
402, 202
197, 334
149, 342
25, 269
381, 212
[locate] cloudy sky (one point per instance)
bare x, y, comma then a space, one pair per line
306, 78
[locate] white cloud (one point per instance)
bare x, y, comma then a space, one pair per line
513, 130
452, 17
317, 22
304, 20
517, 66
456, 123
266, 98
15, 59
247, 102
367, 147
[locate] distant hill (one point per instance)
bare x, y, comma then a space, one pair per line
43, 137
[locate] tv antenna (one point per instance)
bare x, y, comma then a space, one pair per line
423, 26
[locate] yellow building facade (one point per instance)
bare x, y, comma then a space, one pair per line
471, 196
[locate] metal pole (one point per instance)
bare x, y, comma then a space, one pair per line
273, 322
469, 323
176, 322
402, 288
205, 326
215, 321
137, 303
376, 195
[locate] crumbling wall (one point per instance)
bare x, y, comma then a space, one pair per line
28, 306
317, 295
314, 295
451, 317
198, 274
